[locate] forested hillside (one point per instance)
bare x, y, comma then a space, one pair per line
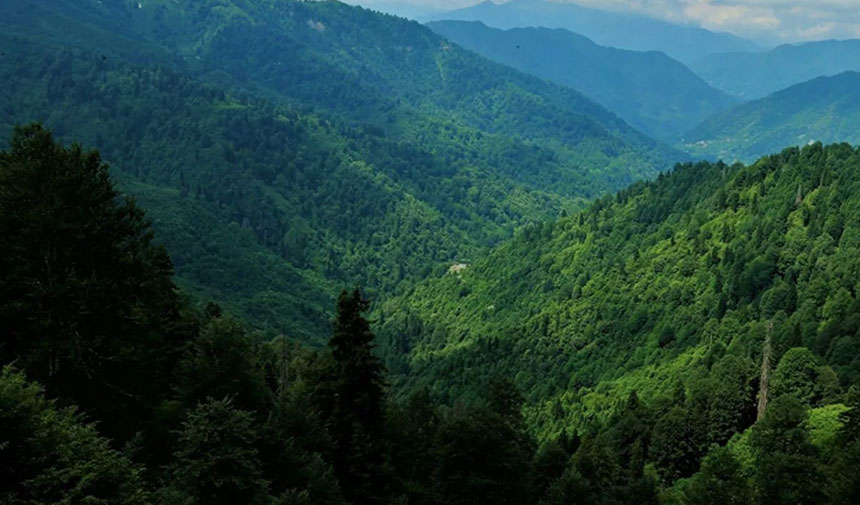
358, 179
826, 109
752, 75
651, 91
676, 287
737, 387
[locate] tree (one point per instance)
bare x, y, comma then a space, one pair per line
87, 304
844, 486
51, 455
800, 375
480, 459
719, 481
786, 465
677, 444
216, 461
352, 395
222, 361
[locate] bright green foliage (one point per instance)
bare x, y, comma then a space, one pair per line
650, 287
52, 455
799, 375
276, 423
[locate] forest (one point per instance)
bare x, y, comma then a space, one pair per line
285, 252
117, 389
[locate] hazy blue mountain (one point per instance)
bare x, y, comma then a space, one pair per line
826, 109
649, 90
755, 75
625, 31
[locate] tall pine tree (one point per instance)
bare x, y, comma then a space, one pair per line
353, 398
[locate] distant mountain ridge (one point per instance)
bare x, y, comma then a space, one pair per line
651, 91
755, 75
825, 109
612, 29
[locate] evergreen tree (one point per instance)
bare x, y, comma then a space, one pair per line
352, 394
87, 304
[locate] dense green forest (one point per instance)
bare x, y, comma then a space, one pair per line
278, 252
672, 291
117, 390
651, 91
825, 110
364, 174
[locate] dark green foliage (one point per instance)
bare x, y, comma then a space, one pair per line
52, 455
222, 362
216, 461
353, 396
787, 470
483, 453
87, 302
720, 481
360, 148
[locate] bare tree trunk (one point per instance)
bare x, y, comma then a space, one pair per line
765, 372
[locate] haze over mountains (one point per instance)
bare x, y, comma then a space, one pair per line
651, 91
826, 109
623, 31
544, 299
754, 75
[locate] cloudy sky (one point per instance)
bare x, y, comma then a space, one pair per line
769, 21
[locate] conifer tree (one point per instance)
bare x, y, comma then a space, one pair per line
353, 399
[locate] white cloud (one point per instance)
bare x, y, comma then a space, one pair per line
770, 20
763, 20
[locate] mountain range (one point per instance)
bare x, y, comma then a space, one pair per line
624, 31
651, 91
825, 109
372, 111
327, 256
752, 75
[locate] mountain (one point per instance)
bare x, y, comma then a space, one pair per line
102, 355
651, 91
649, 288
339, 146
826, 109
754, 75
624, 31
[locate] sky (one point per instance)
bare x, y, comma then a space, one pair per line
766, 21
